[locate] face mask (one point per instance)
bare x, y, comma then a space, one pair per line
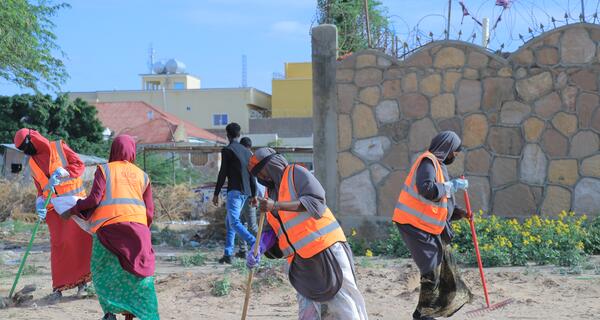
449, 159
267, 183
27, 147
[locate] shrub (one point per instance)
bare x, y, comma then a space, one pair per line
167, 236
173, 202
592, 240
196, 259
17, 199
505, 242
221, 287
563, 241
392, 245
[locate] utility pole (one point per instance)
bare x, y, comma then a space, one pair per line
367, 22
582, 11
448, 20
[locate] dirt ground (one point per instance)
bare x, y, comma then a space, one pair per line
390, 288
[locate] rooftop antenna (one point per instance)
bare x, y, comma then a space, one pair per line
244, 71
151, 56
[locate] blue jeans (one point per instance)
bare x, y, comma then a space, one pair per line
235, 203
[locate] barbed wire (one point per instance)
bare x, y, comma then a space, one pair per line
509, 27
512, 23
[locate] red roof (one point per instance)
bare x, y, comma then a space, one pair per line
146, 123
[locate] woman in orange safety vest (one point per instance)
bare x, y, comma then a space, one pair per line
302, 229
54, 166
423, 212
119, 211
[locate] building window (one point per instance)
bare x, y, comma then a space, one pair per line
220, 119
153, 85
178, 86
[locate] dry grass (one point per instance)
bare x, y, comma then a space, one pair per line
173, 202
17, 199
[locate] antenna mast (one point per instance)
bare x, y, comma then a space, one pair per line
244, 71
151, 56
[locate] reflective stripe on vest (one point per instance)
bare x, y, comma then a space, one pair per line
326, 229
67, 187
108, 198
115, 208
416, 210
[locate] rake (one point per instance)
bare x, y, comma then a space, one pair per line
24, 259
489, 307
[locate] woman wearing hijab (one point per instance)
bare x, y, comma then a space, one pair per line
302, 229
425, 207
119, 210
54, 166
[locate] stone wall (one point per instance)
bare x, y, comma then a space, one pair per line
530, 123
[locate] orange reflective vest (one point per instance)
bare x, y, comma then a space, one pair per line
123, 199
300, 232
414, 209
67, 187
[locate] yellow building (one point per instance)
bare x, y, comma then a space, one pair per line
181, 95
292, 96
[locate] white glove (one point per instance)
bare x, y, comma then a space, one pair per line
39, 201
61, 173
454, 185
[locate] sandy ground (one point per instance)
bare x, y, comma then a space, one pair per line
390, 288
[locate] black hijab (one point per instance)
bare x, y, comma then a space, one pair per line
444, 144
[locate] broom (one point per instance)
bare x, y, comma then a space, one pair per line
261, 220
488, 307
33, 232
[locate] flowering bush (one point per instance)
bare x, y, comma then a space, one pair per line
504, 242
564, 240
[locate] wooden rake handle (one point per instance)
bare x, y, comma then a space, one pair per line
261, 221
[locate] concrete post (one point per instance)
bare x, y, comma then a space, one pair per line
324, 54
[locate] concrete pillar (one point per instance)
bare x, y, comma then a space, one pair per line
324, 54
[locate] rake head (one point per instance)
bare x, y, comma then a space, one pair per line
483, 311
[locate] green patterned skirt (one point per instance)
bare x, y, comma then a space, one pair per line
120, 291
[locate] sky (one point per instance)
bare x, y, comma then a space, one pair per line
107, 42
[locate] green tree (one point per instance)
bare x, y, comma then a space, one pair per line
28, 45
75, 122
164, 167
349, 17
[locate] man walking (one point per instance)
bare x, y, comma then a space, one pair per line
248, 216
240, 185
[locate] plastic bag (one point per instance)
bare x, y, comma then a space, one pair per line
63, 204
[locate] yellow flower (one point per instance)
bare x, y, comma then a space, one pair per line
525, 242
580, 245
353, 232
369, 253
562, 215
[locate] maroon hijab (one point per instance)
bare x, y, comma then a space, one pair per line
129, 241
122, 149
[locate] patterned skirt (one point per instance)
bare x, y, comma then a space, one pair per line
120, 291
